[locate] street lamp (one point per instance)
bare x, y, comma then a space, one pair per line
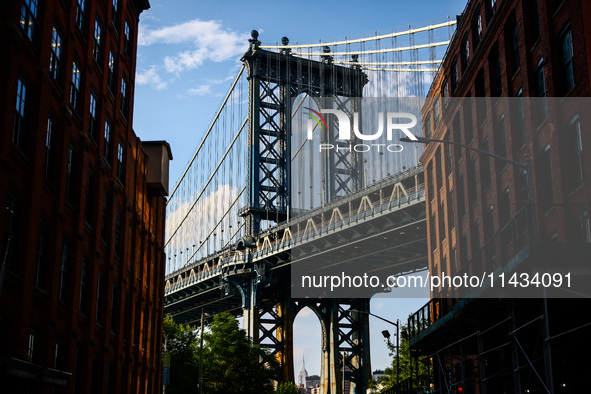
386, 335
526, 166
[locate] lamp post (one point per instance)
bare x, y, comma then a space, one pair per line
386, 335
526, 166
201, 355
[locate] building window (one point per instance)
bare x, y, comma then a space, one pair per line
93, 118
461, 204
63, 287
75, 87
83, 287
442, 233
431, 177
49, 150
491, 8
574, 154
464, 250
496, 83
10, 236
457, 133
70, 192
546, 187
89, 209
465, 53
445, 94
80, 14
504, 208
454, 75
32, 348
55, 57
127, 39
428, 125
472, 181
541, 110
20, 129
436, 114
104, 217
438, 169
78, 371
585, 226
566, 61
485, 166
476, 29
117, 234
448, 156
480, 90
475, 238
127, 320
111, 80
42, 256
500, 147
29, 17
114, 14
114, 308
518, 132
468, 123
490, 224
452, 210
534, 12
97, 44
57, 356
124, 97
121, 163
99, 299
433, 232
512, 32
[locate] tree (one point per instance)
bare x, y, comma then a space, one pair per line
287, 388
182, 342
408, 366
232, 364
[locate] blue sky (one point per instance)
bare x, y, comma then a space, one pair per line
188, 55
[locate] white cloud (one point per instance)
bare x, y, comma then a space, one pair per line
208, 40
150, 77
195, 224
205, 89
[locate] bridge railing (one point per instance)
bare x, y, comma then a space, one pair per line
508, 247
369, 202
374, 207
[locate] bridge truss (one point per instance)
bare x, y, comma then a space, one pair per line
257, 190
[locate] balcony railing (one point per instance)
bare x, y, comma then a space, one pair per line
505, 250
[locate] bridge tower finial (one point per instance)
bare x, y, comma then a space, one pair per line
254, 41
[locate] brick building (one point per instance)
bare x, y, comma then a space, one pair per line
81, 289
520, 54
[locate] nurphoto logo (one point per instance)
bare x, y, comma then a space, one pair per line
395, 121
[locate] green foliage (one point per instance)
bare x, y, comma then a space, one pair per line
183, 344
407, 367
232, 364
287, 388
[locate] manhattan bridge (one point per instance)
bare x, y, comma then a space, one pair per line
258, 193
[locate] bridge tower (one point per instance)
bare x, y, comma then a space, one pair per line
275, 79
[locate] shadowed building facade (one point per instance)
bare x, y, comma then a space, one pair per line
82, 224
520, 54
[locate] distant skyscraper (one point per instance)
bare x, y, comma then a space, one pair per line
302, 375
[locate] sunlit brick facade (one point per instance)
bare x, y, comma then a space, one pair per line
526, 52
82, 227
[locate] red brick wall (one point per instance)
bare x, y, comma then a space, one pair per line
139, 270
561, 221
